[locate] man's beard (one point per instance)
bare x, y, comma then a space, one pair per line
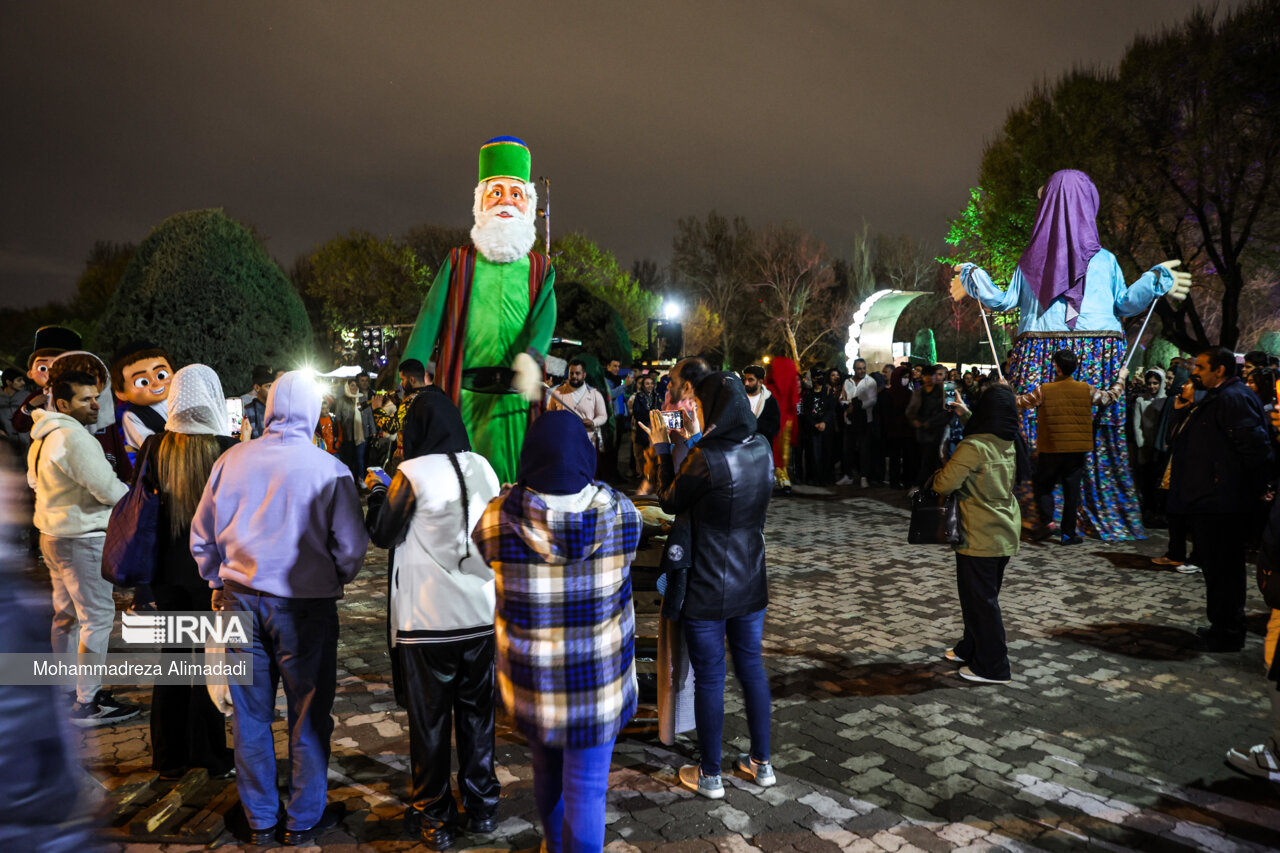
576, 383
503, 240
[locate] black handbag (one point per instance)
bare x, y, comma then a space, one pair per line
935, 518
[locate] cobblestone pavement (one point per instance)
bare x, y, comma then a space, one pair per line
1110, 737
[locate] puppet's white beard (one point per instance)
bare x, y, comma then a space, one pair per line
503, 240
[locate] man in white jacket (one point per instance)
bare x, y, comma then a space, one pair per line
75, 490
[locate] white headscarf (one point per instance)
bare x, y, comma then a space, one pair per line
106, 400
196, 403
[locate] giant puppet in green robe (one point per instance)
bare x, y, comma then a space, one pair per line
493, 307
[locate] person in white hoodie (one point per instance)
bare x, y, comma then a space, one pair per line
440, 615
75, 490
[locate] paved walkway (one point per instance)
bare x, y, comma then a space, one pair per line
1110, 737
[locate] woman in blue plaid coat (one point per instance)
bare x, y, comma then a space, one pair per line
561, 548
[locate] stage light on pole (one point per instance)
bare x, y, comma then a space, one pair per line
670, 310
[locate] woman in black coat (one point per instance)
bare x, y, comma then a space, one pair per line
723, 488
186, 729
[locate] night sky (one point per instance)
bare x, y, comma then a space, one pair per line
308, 119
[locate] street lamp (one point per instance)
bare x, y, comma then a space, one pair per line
670, 310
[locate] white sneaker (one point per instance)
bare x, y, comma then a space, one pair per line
969, 675
708, 786
1188, 568
1260, 761
844, 481
761, 774
950, 654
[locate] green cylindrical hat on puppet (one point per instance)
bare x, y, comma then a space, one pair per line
505, 157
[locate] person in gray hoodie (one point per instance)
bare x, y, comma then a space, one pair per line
278, 533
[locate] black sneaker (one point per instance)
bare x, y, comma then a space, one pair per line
102, 711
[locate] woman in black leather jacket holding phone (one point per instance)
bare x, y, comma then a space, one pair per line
723, 487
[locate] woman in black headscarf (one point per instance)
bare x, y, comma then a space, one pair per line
723, 489
982, 473
440, 614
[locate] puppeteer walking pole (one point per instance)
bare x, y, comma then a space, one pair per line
546, 211
991, 340
1129, 356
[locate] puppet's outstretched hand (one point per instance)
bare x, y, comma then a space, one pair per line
528, 377
957, 286
1181, 280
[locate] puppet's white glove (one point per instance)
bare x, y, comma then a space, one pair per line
957, 286
528, 377
1181, 280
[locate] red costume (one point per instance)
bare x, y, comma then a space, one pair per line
782, 378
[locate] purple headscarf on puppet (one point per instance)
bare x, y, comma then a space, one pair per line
1064, 239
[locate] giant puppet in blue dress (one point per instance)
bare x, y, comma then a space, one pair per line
1072, 295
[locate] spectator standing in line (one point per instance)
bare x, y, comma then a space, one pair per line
186, 729
724, 487
929, 416
618, 389
819, 412
561, 547
982, 473
577, 396
1064, 434
440, 616
1262, 761
356, 425
1180, 394
763, 404
899, 444
255, 410
1254, 360
644, 401
13, 391
858, 396
75, 491
833, 439
278, 533
1145, 411
1219, 467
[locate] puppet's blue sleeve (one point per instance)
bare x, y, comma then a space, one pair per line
980, 286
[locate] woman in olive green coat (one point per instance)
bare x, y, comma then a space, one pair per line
982, 472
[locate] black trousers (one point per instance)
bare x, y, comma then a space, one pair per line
930, 460
857, 447
450, 685
978, 580
1054, 468
814, 458
1220, 542
1178, 530
901, 455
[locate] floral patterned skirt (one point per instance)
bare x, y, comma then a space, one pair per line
1109, 506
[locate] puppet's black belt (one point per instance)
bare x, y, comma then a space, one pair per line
489, 380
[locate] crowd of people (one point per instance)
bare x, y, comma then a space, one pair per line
521, 591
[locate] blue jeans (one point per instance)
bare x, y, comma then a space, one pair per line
569, 786
295, 640
705, 640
